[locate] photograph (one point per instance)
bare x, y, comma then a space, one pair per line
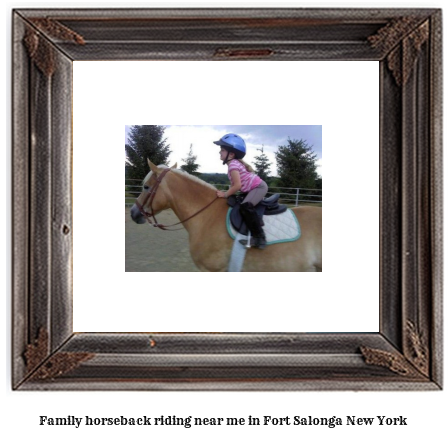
270, 198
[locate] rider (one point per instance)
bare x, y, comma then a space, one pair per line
242, 177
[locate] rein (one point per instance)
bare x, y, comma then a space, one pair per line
150, 197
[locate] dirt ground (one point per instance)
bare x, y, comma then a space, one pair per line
150, 249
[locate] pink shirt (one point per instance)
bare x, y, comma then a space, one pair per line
249, 180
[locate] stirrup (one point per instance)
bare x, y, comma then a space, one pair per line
246, 242
253, 243
257, 242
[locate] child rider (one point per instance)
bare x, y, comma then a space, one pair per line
242, 177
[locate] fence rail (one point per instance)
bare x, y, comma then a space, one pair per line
288, 195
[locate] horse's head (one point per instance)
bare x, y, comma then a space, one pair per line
153, 199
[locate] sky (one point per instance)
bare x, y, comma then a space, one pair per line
180, 137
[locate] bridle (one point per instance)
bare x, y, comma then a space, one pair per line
150, 198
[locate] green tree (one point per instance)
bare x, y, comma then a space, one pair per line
262, 165
145, 141
190, 165
296, 164
215, 178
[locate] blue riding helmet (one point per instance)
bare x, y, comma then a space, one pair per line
233, 143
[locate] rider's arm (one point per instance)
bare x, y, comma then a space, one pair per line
236, 183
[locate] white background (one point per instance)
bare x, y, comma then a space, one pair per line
344, 297
425, 411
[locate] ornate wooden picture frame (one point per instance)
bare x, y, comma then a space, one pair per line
406, 353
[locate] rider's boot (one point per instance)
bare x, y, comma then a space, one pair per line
253, 222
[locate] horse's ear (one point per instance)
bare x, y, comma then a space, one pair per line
153, 167
175, 166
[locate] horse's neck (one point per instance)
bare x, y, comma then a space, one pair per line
188, 196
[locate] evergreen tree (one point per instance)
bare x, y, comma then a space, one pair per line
145, 141
262, 165
190, 165
296, 164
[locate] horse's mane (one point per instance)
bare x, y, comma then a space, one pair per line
193, 178
184, 175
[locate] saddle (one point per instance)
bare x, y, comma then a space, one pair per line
267, 207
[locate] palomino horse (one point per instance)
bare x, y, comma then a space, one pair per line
204, 216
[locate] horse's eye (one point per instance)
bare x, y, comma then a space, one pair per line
146, 187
